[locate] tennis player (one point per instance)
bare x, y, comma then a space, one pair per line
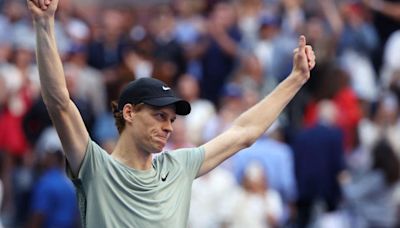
129, 188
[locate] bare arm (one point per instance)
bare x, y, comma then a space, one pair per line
332, 15
63, 112
390, 9
249, 126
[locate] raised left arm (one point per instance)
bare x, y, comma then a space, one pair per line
250, 125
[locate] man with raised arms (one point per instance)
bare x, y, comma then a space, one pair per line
129, 188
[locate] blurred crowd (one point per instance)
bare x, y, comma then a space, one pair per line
330, 160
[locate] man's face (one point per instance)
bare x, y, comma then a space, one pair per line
152, 127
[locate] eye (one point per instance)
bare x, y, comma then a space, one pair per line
160, 116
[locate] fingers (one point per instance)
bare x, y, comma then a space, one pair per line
33, 2
306, 52
33, 5
302, 43
304, 56
310, 56
42, 4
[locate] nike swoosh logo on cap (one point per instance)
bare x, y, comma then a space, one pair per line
166, 88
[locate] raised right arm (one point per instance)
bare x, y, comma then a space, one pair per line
63, 112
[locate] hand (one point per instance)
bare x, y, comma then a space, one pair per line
303, 60
344, 177
42, 8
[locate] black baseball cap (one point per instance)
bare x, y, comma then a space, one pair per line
153, 92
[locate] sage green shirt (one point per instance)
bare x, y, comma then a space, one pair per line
113, 195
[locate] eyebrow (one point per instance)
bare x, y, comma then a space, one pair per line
160, 109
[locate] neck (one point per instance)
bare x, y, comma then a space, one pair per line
128, 153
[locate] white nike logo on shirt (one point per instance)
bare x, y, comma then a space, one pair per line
166, 88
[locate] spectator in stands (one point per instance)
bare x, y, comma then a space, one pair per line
168, 53
202, 110
105, 51
211, 201
255, 205
319, 157
277, 160
221, 50
54, 203
369, 196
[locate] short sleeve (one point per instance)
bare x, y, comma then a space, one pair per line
94, 160
190, 158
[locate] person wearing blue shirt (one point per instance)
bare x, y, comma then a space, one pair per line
54, 202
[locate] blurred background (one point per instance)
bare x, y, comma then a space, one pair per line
330, 160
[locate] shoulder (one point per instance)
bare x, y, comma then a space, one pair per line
182, 153
94, 160
188, 160
93, 147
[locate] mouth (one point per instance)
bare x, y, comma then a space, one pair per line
162, 139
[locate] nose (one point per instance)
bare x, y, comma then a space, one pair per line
167, 127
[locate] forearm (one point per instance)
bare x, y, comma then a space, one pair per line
392, 10
227, 44
254, 122
257, 119
332, 15
53, 85
388, 8
64, 114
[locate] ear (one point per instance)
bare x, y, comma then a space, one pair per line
128, 112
